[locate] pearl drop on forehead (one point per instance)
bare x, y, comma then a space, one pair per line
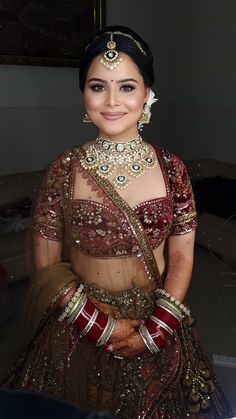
110, 58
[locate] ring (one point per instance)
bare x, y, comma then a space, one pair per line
118, 357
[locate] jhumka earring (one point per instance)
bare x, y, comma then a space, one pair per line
111, 57
146, 113
144, 117
86, 118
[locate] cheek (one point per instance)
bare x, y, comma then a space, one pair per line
136, 102
135, 106
92, 102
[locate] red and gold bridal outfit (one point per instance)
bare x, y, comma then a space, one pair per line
106, 255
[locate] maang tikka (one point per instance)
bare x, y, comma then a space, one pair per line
111, 57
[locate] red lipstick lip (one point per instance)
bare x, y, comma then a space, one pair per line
113, 115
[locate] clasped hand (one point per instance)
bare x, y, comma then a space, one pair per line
125, 340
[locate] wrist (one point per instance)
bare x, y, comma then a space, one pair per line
166, 318
70, 302
66, 297
87, 319
173, 302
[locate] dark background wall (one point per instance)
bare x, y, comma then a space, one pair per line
194, 46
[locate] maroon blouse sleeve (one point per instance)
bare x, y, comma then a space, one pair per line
48, 214
184, 209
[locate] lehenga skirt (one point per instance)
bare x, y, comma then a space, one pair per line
59, 362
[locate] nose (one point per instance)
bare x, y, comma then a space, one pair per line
112, 98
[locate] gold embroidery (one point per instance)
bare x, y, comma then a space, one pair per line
47, 222
184, 218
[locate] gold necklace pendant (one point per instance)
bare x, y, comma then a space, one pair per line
120, 161
121, 181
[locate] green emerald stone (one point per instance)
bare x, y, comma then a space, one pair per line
121, 179
136, 168
104, 168
89, 160
149, 160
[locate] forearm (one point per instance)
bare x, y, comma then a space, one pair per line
45, 252
180, 264
178, 275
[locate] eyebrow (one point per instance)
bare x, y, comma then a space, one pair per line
118, 81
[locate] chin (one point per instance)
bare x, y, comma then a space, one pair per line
116, 136
118, 132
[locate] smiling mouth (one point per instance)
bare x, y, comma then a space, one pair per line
112, 116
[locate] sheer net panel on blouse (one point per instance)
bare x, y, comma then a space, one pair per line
119, 273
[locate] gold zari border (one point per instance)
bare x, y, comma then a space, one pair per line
183, 218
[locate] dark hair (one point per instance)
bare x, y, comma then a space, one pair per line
98, 45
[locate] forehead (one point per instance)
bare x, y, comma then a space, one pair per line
126, 69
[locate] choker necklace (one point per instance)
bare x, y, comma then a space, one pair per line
119, 161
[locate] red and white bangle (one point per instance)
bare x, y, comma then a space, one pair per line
77, 308
93, 324
87, 319
173, 301
152, 337
155, 334
150, 344
166, 330
171, 316
106, 332
161, 324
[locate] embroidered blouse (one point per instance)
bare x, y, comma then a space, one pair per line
96, 227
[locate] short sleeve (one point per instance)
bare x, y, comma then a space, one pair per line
184, 209
48, 214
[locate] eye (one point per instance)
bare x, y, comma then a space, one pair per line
127, 87
97, 87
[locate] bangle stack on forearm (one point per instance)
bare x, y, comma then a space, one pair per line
87, 319
166, 318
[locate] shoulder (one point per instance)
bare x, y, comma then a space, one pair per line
171, 160
176, 173
62, 163
59, 170
62, 159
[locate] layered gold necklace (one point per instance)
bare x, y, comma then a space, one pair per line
119, 161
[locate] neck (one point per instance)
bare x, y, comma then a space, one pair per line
120, 140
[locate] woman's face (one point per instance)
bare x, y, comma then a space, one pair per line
114, 99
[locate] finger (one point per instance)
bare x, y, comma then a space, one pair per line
136, 323
114, 339
116, 346
128, 352
125, 353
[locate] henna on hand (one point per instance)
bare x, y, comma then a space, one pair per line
123, 329
130, 346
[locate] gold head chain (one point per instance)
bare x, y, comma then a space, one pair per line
110, 58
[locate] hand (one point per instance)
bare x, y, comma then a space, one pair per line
130, 346
66, 298
123, 329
